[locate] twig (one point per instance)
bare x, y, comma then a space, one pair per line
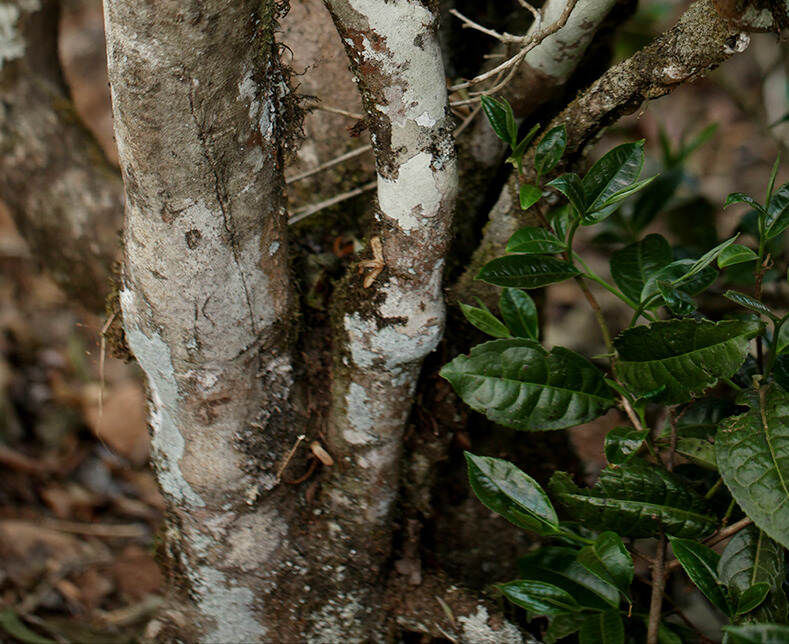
306, 211
337, 110
292, 451
329, 164
658, 588
102, 354
112, 530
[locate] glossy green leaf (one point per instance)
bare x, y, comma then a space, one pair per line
706, 259
10, 622
539, 597
676, 300
518, 384
741, 197
750, 558
622, 443
699, 451
550, 149
777, 219
562, 626
780, 371
571, 186
519, 313
735, 254
614, 171
602, 628
526, 271
533, 240
701, 565
635, 500
684, 356
498, 112
700, 418
529, 195
558, 565
748, 302
485, 321
626, 192
609, 560
673, 273
757, 634
506, 490
752, 598
634, 264
753, 458
517, 152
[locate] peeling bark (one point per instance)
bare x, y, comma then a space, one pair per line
62, 193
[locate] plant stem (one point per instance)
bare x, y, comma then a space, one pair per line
716, 538
658, 587
714, 489
772, 353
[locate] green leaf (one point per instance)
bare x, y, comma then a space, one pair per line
753, 458
741, 197
749, 303
700, 418
506, 490
771, 182
539, 597
518, 384
635, 500
701, 564
634, 264
735, 254
602, 628
562, 626
533, 240
684, 356
752, 598
558, 566
609, 560
519, 313
571, 186
751, 558
706, 259
498, 112
777, 219
614, 171
622, 443
698, 450
14, 626
673, 273
678, 302
517, 152
626, 192
485, 321
529, 195
757, 634
550, 149
526, 271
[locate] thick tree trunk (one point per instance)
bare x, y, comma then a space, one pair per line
63, 195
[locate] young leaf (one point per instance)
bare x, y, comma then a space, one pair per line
635, 500
735, 254
753, 458
749, 303
701, 564
673, 273
526, 271
485, 321
614, 171
624, 193
532, 240
678, 302
539, 597
622, 443
752, 598
706, 259
506, 490
518, 384
771, 182
750, 558
602, 628
757, 634
777, 219
609, 560
517, 152
634, 264
529, 195
519, 313
570, 186
686, 356
497, 112
741, 197
550, 149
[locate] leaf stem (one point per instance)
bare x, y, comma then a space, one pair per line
713, 490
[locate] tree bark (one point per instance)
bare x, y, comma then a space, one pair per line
64, 196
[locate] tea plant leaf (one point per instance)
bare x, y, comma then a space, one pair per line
635, 500
539, 597
14, 626
735, 254
634, 264
622, 443
752, 598
701, 564
741, 197
698, 450
757, 634
673, 273
518, 384
609, 560
602, 628
706, 259
684, 356
506, 490
517, 152
678, 302
526, 271
562, 626
626, 192
614, 171
533, 240
519, 313
529, 195
571, 186
753, 458
749, 303
485, 321
777, 219
498, 112
550, 149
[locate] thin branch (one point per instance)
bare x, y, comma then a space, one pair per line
658, 588
337, 110
306, 211
329, 164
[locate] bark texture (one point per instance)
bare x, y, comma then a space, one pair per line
62, 193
